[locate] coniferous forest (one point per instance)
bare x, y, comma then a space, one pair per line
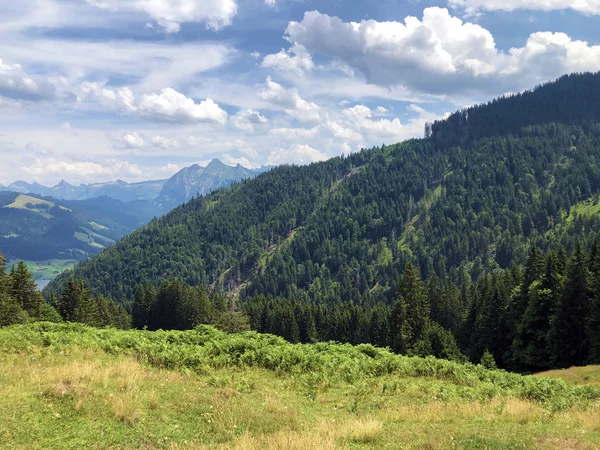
478, 241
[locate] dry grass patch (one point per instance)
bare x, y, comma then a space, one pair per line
153, 402
588, 420
363, 431
287, 439
125, 407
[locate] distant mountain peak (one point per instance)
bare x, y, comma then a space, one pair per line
216, 162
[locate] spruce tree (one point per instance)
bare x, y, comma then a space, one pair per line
410, 314
24, 290
10, 310
568, 337
593, 323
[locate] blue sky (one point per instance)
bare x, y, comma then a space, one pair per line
98, 90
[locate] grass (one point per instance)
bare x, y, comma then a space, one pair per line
69, 386
48, 268
588, 375
29, 203
23, 201
97, 226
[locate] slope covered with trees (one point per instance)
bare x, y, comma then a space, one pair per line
342, 230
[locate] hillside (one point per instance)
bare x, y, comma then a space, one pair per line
34, 229
205, 389
343, 229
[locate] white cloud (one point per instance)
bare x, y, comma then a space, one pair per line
82, 170
440, 54
590, 7
168, 105
67, 128
164, 142
246, 120
296, 154
16, 84
295, 59
382, 110
271, 3
121, 99
169, 14
134, 140
290, 101
232, 161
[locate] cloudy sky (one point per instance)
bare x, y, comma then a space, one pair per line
97, 90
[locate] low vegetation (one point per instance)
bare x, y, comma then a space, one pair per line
69, 385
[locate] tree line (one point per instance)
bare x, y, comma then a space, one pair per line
543, 315
21, 302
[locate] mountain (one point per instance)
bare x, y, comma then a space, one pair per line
26, 188
165, 194
34, 228
196, 180
465, 200
125, 192
118, 190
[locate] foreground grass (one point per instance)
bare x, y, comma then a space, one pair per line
584, 376
68, 386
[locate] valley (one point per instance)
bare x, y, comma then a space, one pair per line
54, 228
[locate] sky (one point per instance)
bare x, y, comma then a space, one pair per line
99, 90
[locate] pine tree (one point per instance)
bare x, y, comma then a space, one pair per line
143, 306
69, 301
593, 323
10, 310
568, 337
410, 314
24, 290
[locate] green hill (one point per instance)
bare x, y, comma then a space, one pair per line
40, 229
489, 182
93, 388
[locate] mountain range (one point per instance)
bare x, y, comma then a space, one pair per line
197, 180
119, 190
67, 222
181, 187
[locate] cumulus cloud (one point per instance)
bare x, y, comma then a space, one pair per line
170, 14
440, 54
290, 101
246, 120
590, 7
356, 127
82, 170
295, 59
296, 154
136, 140
16, 84
168, 105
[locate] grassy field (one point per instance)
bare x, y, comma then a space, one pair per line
68, 386
583, 376
48, 268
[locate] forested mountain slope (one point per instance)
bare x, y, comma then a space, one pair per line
34, 228
489, 181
